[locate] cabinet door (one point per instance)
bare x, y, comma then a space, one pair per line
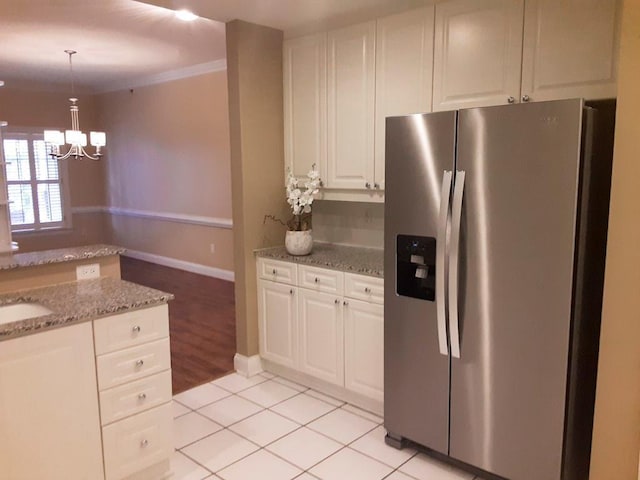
477, 53
305, 104
49, 423
278, 322
364, 348
351, 98
404, 65
321, 335
570, 49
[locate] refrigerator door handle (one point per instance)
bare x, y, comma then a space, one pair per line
454, 257
441, 251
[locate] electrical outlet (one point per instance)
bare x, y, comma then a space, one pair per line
212, 247
87, 272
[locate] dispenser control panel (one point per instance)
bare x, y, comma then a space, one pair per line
416, 267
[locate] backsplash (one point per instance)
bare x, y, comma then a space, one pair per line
349, 223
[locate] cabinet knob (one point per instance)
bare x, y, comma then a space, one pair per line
142, 396
376, 186
367, 185
136, 329
139, 363
291, 291
336, 301
511, 100
345, 303
367, 290
525, 98
144, 443
316, 280
274, 271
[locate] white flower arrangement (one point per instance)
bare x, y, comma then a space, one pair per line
300, 200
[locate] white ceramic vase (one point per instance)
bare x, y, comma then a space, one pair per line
298, 243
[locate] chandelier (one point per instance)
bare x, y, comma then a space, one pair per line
74, 137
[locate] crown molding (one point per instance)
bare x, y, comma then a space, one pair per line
168, 76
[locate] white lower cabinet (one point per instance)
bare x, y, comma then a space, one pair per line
363, 345
327, 328
57, 398
134, 381
137, 443
278, 322
321, 336
49, 421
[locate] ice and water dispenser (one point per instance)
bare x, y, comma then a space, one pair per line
416, 267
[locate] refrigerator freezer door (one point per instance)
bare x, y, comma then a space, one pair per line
419, 148
516, 273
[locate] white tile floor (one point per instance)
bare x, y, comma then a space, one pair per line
266, 427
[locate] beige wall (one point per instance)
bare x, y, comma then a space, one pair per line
174, 240
33, 109
168, 152
254, 62
616, 436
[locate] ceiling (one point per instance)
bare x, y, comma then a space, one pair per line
125, 43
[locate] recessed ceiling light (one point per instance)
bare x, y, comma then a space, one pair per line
186, 15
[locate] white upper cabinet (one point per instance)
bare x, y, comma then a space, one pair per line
477, 53
305, 104
340, 86
570, 49
404, 66
350, 109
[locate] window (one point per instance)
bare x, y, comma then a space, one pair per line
35, 183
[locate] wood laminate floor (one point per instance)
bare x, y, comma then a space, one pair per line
201, 321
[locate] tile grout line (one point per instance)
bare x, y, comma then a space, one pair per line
300, 426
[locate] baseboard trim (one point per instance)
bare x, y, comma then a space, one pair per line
247, 366
341, 393
182, 265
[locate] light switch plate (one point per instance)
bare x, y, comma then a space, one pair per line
88, 272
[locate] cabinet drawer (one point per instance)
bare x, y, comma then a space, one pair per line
321, 279
133, 363
135, 397
132, 328
277, 271
138, 442
363, 287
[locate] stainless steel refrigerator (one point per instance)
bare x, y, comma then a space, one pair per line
495, 232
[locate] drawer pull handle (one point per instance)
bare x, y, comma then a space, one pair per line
316, 280
144, 443
136, 329
275, 272
139, 363
367, 290
142, 396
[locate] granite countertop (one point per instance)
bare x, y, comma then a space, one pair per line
76, 302
365, 261
19, 260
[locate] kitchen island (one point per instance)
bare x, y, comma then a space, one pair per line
85, 369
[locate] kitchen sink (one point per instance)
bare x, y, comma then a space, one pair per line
21, 311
